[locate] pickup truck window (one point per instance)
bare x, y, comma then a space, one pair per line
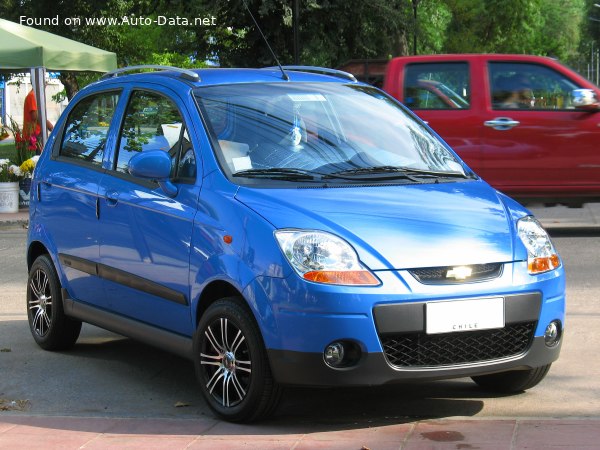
437, 86
529, 86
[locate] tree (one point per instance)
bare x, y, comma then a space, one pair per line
541, 27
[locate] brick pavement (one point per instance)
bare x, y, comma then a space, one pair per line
29, 432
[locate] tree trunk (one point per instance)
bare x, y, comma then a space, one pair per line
401, 44
69, 81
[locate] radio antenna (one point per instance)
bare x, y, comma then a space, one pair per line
283, 74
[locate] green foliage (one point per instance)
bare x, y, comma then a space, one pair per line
331, 31
539, 27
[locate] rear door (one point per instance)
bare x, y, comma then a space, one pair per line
68, 192
442, 93
534, 141
145, 235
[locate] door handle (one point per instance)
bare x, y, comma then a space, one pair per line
112, 198
501, 123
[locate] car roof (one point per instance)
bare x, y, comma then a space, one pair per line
220, 76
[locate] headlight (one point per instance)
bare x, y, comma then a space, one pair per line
323, 258
542, 256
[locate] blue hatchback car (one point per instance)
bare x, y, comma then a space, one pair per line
284, 227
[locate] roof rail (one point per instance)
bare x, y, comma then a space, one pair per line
321, 70
183, 73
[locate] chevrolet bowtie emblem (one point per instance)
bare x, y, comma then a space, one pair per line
459, 273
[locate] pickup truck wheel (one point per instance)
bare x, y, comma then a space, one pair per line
513, 381
50, 327
231, 363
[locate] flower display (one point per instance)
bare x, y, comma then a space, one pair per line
26, 146
26, 168
9, 172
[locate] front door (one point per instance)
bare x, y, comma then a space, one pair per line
145, 234
534, 141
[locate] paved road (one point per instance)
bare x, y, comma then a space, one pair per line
107, 377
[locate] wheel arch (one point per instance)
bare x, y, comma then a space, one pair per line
214, 291
35, 250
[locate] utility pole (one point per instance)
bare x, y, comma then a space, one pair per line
415, 4
296, 28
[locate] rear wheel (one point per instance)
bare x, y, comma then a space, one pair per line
232, 365
513, 381
50, 327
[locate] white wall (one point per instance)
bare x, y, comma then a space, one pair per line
16, 91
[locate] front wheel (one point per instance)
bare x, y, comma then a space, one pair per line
513, 381
50, 327
231, 363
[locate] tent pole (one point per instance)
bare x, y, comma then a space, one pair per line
38, 81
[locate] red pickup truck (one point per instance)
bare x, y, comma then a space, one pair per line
527, 124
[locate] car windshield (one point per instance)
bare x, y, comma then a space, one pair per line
299, 130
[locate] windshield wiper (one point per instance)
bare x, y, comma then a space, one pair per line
435, 173
391, 172
279, 173
373, 173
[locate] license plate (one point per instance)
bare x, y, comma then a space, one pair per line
464, 315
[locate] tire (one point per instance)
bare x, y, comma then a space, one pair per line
50, 327
513, 381
231, 363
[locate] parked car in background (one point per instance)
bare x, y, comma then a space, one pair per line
279, 230
541, 147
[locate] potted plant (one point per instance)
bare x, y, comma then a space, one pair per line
26, 170
10, 174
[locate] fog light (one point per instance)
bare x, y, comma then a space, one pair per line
334, 354
552, 333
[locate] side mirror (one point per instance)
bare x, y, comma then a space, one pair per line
585, 99
154, 165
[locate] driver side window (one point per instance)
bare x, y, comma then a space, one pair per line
529, 86
153, 122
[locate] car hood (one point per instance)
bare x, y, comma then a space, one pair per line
398, 227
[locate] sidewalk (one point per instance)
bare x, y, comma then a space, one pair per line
18, 432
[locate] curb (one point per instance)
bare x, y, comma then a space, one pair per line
17, 220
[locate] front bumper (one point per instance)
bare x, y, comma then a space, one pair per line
299, 320
297, 368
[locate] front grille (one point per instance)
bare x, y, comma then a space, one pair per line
449, 349
439, 275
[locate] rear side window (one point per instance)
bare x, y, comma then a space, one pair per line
437, 86
153, 122
87, 127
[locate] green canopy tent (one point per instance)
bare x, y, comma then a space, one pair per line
25, 48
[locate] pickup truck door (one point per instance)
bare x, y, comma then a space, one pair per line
440, 94
534, 142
